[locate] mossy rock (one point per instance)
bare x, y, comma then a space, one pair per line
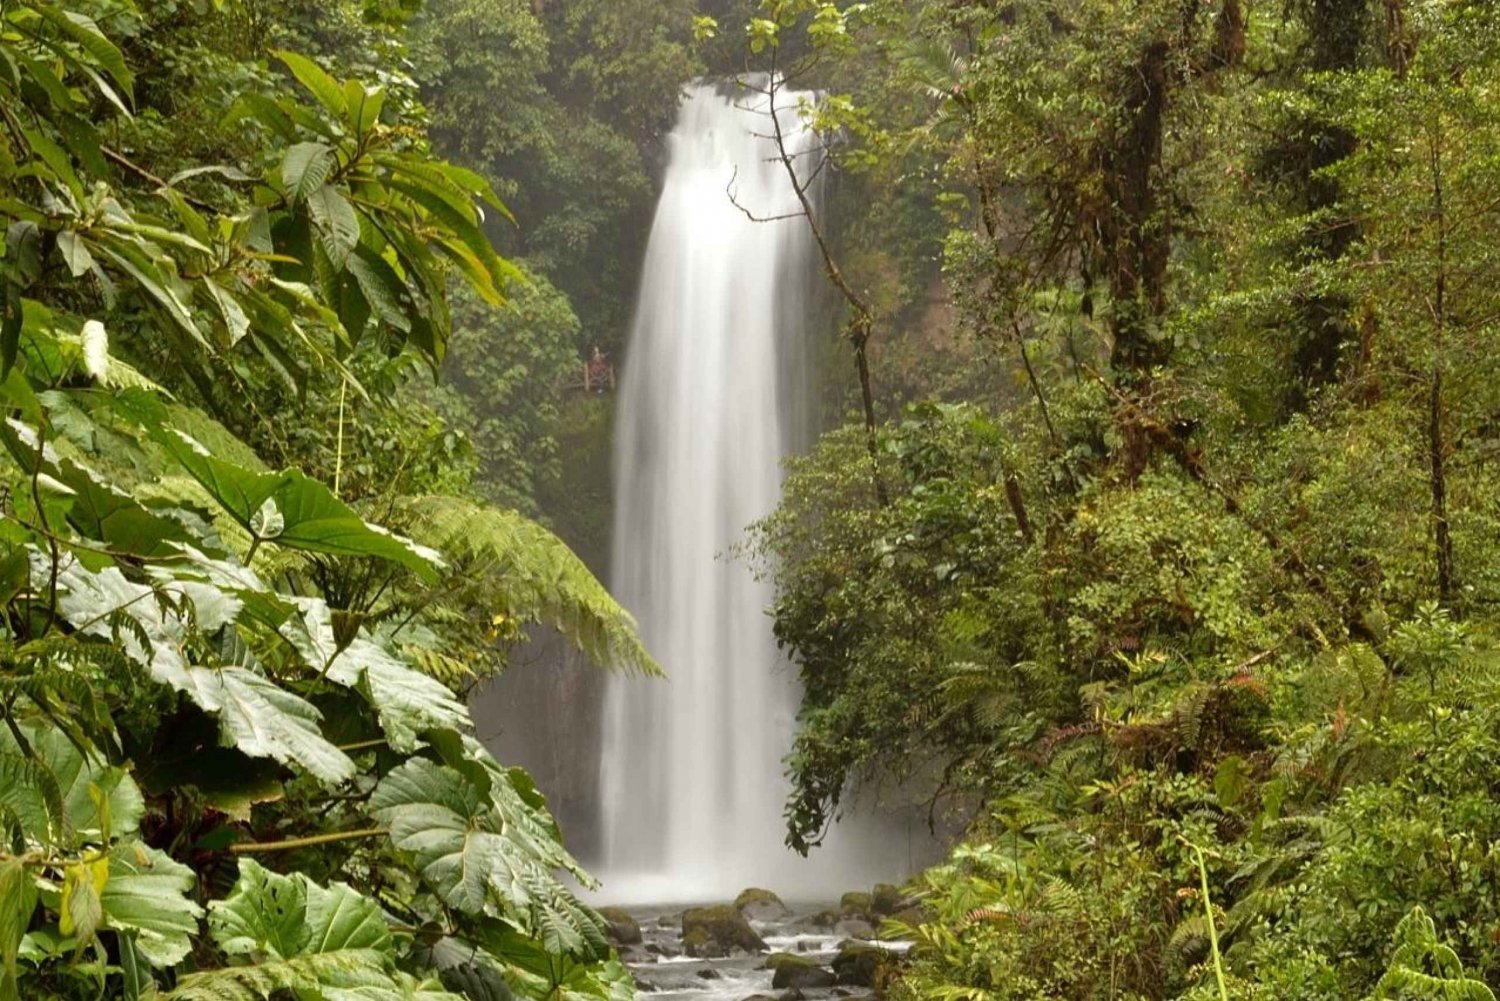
855, 928
858, 963
856, 904
912, 916
718, 931
761, 905
797, 973
619, 927
886, 899
824, 919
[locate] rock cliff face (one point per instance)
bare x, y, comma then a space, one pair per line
545, 714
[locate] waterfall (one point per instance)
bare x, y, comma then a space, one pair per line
710, 401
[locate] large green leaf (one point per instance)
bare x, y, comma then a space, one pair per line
86, 34
266, 721
265, 980
481, 855
295, 511
146, 893
305, 168
99, 510
407, 701
17, 901
300, 936
255, 715
457, 841
382, 288
312, 76
94, 794
337, 223
271, 916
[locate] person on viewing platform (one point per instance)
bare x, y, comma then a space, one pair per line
598, 374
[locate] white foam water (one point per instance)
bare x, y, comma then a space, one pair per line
710, 398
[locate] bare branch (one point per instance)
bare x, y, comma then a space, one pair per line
733, 200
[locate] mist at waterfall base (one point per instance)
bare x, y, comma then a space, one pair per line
713, 397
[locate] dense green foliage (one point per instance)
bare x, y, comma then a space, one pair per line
1189, 557
227, 273
1156, 547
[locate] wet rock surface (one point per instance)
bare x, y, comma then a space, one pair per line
761, 905
797, 972
709, 932
620, 927
794, 953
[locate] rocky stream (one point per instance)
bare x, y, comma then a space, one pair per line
760, 949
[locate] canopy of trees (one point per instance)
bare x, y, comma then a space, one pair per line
1166, 556
1153, 535
247, 572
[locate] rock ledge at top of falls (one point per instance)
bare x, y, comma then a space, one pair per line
718, 931
761, 905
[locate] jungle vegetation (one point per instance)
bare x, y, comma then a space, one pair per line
1149, 539
250, 561
1164, 560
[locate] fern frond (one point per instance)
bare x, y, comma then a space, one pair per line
525, 572
1059, 898
1418, 950
1189, 943
263, 980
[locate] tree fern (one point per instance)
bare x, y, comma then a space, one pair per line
1422, 966
521, 570
263, 980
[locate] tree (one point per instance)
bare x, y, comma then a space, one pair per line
209, 660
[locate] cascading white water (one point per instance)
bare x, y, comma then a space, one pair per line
692, 777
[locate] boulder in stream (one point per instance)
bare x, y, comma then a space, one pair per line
855, 928
855, 905
858, 963
718, 931
761, 905
912, 916
824, 919
797, 972
887, 899
619, 927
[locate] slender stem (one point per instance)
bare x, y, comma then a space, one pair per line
1036, 388
120, 160
266, 847
1213, 932
363, 745
338, 462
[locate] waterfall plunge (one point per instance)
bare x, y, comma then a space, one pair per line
710, 403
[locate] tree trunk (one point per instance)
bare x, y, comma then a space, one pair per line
1437, 447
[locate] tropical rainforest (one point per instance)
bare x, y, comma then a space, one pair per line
1146, 543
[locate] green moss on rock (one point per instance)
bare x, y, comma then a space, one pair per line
718, 931
761, 905
856, 904
797, 973
886, 899
858, 963
620, 927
